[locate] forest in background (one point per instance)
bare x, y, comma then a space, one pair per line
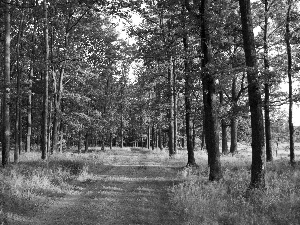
65, 77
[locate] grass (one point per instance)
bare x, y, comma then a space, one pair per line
224, 202
32, 184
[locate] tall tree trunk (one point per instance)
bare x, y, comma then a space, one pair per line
267, 86
211, 119
18, 125
257, 123
79, 142
233, 135
110, 140
122, 132
187, 98
233, 120
160, 142
46, 77
153, 136
6, 92
175, 110
289, 57
224, 129
171, 109
61, 137
29, 100
86, 142
148, 137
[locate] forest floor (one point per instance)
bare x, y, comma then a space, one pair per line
140, 186
128, 186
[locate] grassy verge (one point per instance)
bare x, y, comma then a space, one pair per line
224, 202
32, 184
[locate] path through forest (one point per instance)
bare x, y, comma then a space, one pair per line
130, 187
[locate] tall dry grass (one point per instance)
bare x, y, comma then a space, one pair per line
225, 202
32, 184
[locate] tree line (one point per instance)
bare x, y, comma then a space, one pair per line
200, 68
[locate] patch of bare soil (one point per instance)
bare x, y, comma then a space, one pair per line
130, 187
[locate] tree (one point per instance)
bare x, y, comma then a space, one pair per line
187, 93
44, 132
267, 84
289, 73
255, 101
7, 88
209, 97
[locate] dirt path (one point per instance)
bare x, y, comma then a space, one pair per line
130, 188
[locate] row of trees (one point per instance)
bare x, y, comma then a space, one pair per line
207, 51
65, 75
64, 72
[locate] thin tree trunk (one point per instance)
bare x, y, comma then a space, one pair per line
29, 100
211, 119
175, 111
121, 144
233, 134
153, 136
103, 143
224, 129
110, 140
289, 57
233, 120
148, 137
258, 167
171, 109
79, 142
160, 144
61, 137
18, 125
267, 87
6, 91
188, 107
86, 142
45, 96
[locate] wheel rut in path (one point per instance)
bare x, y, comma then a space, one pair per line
132, 188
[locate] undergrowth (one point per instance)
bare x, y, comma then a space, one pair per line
30, 185
225, 202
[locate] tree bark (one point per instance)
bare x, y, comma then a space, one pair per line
6, 92
110, 140
171, 109
233, 120
61, 137
187, 98
29, 100
46, 87
211, 119
122, 132
175, 110
86, 142
18, 125
233, 134
290, 78
224, 130
148, 137
267, 86
255, 101
153, 136
79, 142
